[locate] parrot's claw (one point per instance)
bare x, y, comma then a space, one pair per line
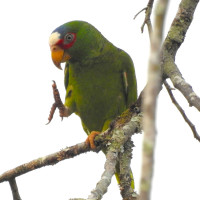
52, 111
90, 139
64, 112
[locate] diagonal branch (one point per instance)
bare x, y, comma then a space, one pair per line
173, 41
102, 185
191, 125
113, 139
51, 159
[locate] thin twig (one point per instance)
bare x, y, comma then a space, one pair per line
144, 9
14, 188
190, 124
147, 20
77, 199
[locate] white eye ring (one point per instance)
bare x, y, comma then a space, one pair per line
69, 37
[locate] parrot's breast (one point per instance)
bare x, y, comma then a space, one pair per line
96, 93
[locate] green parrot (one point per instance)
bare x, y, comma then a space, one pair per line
99, 78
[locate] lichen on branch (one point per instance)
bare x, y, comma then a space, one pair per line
173, 41
113, 139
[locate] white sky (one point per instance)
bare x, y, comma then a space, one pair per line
26, 97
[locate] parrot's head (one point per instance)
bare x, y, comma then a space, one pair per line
74, 40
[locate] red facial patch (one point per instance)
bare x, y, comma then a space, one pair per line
66, 45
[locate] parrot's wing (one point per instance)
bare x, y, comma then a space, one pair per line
129, 81
125, 83
66, 72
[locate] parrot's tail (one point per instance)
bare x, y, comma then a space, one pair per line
132, 179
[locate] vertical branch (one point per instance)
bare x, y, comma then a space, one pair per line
147, 20
172, 43
150, 97
14, 188
126, 177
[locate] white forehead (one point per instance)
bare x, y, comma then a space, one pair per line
54, 37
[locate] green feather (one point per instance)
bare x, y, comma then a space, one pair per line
100, 79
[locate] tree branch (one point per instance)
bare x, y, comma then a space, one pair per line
126, 179
147, 21
14, 188
51, 159
102, 185
130, 122
114, 139
191, 125
173, 41
120, 134
150, 99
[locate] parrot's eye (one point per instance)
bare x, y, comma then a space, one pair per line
69, 38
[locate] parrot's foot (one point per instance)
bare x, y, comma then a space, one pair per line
90, 139
64, 111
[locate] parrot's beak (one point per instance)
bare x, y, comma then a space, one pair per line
58, 56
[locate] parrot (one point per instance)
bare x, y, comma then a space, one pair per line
99, 78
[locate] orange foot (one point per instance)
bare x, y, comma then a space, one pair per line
90, 139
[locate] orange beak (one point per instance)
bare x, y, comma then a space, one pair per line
58, 56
